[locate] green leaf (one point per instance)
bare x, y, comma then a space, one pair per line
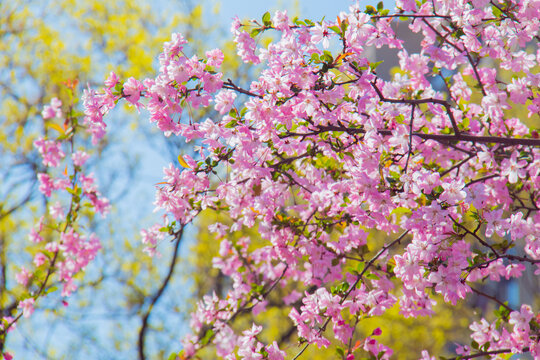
207, 336
182, 162
380, 6
266, 18
344, 25
51, 289
231, 124
255, 32
374, 65
327, 57
372, 276
336, 29
370, 10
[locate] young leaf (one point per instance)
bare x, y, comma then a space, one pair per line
183, 162
266, 19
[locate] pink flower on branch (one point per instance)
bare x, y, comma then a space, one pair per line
27, 307
50, 150
319, 153
53, 110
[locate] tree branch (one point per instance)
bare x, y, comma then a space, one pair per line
157, 295
484, 353
481, 293
442, 138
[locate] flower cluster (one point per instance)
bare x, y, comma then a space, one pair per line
321, 154
63, 249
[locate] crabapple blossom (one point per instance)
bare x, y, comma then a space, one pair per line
365, 191
27, 306
53, 110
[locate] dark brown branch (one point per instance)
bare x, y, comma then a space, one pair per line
418, 102
458, 165
477, 75
480, 240
485, 353
232, 86
157, 295
481, 179
411, 16
410, 139
442, 138
20, 204
481, 293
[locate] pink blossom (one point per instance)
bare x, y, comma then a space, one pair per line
520, 319
100, 204
514, 270
224, 101
280, 20
34, 236
56, 210
246, 47
39, 259
23, 276
215, 57
212, 82
321, 155
453, 192
50, 150
79, 158
112, 80
426, 356
68, 288
483, 332
151, 237
321, 33
27, 307
495, 223
10, 322
95, 106
274, 353
52, 110
174, 47
379, 350
513, 168
132, 91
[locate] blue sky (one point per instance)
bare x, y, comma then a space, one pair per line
307, 9
314, 9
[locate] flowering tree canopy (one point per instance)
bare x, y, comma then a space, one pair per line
366, 193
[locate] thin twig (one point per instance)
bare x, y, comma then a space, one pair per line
484, 353
157, 295
492, 298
